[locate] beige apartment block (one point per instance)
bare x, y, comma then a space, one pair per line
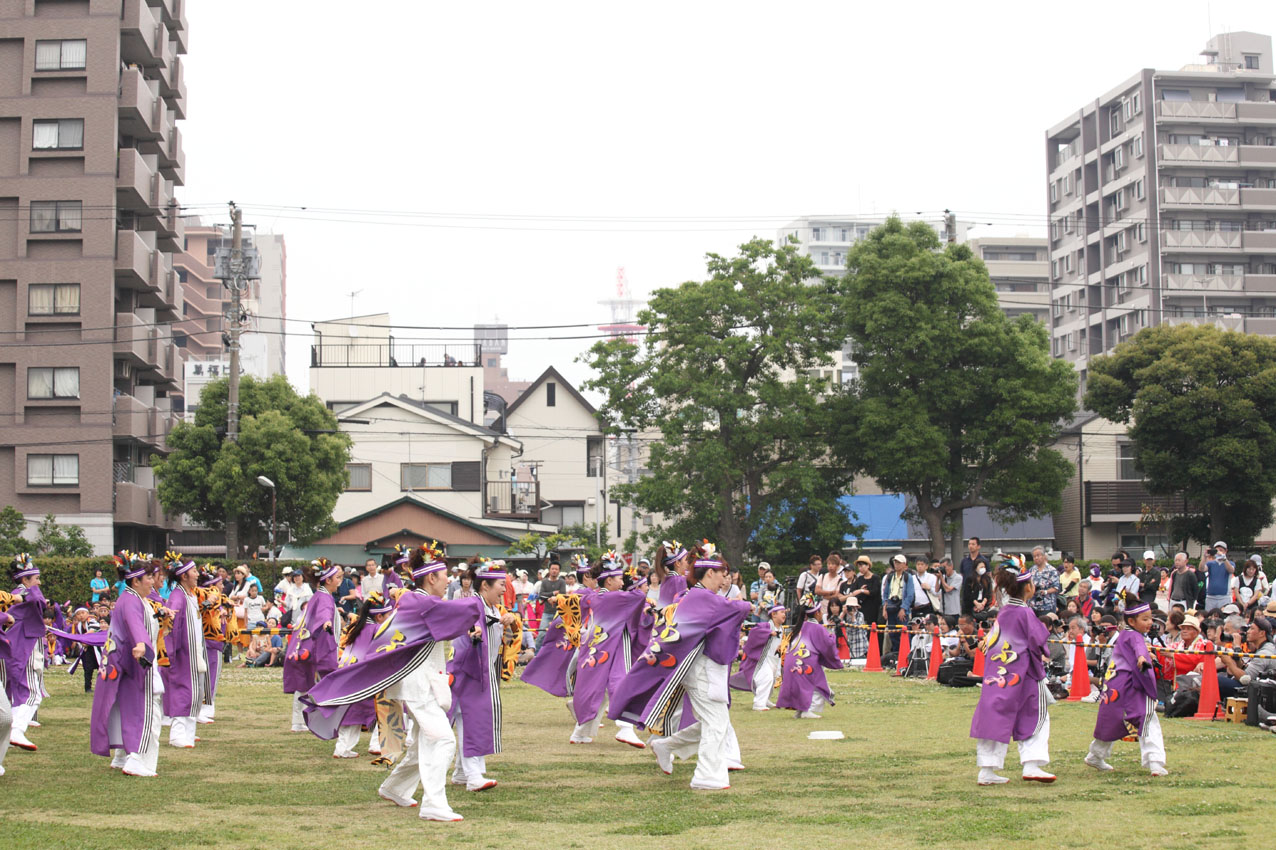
90, 156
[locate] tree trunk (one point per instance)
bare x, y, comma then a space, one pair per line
934, 520
959, 535
732, 538
1217, 512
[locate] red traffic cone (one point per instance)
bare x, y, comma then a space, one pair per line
932, 671
1208, 705
902, 661
843, 651
874, 664
977, 669
1080, 675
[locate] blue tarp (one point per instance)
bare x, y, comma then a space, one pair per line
882, 515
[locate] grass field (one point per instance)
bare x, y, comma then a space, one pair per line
904, 775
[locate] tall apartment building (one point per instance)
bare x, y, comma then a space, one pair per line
206, 301
89, 158
1162, 202
1020, 272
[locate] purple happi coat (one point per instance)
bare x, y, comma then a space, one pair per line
363, 712
751, 655
1013, 700
59, 622
607, 649
701, 622
386, 654
476, 694
1129, 694
553, 669
671, 589
311, 652
802, 668
122, 716
26, 636
186, 687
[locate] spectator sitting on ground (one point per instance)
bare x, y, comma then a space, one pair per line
265, 650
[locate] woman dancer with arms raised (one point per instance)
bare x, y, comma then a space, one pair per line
311, 653
1013, 701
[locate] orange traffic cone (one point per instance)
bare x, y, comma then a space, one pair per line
977, 669
874, 664
1208, 705
932, 670
1080, 675
901, 663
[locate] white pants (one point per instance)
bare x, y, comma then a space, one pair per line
6, 724
764, 682
427, 752
347, 739
23, 714
143, 763
1034, 750
818, 703
182, 732
588, 730
469, 770
1151, 744
712, 737
298, 714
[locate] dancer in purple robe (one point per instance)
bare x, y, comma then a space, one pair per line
673, 565
311, 652
26, 657
1013, 701
405, 660
7, 601
187, 687
476, 678
607, 650
760, 659
803, 686
125, 723
211, 603
354, 646
1127, 703
690, 652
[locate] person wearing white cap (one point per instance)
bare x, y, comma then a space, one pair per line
897, 594
1218, 575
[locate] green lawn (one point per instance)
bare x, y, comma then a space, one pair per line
904, 775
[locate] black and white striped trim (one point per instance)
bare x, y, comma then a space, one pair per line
393, 679
671, 694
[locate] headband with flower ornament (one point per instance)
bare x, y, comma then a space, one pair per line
134, 566
678, 553
176, 563
1015, 564
208, 576
581, 562
26, 567
380, 605
707, 559
431, 559
326, 568
809, 602
402, 553
484, 568
775, 608
611, 564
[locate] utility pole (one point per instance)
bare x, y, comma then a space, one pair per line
237, 284
950, 224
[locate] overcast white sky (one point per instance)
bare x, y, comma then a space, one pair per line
665, 130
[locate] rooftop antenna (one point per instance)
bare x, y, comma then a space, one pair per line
352, 295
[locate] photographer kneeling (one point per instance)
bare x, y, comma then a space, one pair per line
1258, 638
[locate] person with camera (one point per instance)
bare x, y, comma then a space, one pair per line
1258, 641
1149, 579
1046, 580
1218, 574
897, 591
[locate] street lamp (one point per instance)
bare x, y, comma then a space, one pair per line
266, 482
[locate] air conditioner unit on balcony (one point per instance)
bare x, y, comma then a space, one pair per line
123, 369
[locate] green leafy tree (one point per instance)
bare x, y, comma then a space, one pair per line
540, 545
955, 405
12, 526
291, 439
61, 540
1201, 404
730, 380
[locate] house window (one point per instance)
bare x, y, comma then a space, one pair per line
49, 299
551, 394
66, 55
58, 134
360, 477
593, 456
46, 382
52, 470
816, 234
1251, 62
425, 476
55, 216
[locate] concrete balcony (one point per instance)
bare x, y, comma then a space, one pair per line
134, 340
131, 418
140, 106
1226, 322
143, 35
1204, 282
1202, 241
1258, 199
171, 309
173, 87
1197, 111
1260, 241
167, 369
172, 159
172, 227
1200, 156
1192, 197
1260, 282
1256, 112
136, 262
1258, 155
134, 504
137, 185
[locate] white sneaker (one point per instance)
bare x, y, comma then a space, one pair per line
405, 802
448, 816
1097, 763
988, 777
346, 754
1, 770
299, 729
808, 715
1158, 769
1034, 773
17, 739
664, 758
480, 784
627, 735
34, 724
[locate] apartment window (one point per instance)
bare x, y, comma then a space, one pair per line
1251, 62
824, 258
55, 216
425, 476
1181, 95
360, 477
845, 235
1128, 107
1067, 184
1072, 342
551, 394
48, 382
816, 234
52, 470
1058, 307
1054, 269
1136, 103
65, 55
1140, 232
58, 134
1114, 121
1118, 199
1054, 191
1138, 189
1118, 158
1067, 263
593, 456
53, 299
1141, 275
1055, 347
1125, 463
1137, 145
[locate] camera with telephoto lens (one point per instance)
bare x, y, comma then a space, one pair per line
895, 601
